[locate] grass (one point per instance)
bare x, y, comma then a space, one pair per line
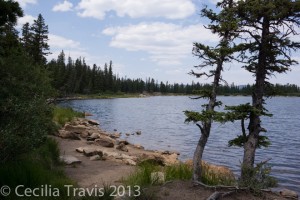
142, 176
62, 115
35, 170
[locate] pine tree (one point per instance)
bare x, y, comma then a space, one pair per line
266, 32
224, 24
40, 47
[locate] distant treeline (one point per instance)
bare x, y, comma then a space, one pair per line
76, 77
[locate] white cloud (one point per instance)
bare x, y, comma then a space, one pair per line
171, 9
23, 3
56, 41
167, 44
25, 19
63, 7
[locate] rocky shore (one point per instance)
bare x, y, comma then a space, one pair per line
96, 157
100, 145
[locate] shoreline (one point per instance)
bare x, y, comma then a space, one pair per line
116, 162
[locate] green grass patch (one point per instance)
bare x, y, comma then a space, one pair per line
62, 115
142, 176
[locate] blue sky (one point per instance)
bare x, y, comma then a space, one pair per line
143, 38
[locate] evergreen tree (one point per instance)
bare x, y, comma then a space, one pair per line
266, 35
224, 24
40, 47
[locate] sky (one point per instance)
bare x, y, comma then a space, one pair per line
143, 38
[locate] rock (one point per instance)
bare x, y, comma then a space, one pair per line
122, 141
68, 135
115, 130
127, 134
87, 114
170, 152
84, 134
115, 135
105, 142
138, 132
79, 149
138, 146
122, 147
288, 193
92, 152
69, 160
110, 154
93, 137
75, 128
93, 122
157, 177
130, 162
170, 159
95, 157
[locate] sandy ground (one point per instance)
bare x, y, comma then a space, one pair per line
90, 173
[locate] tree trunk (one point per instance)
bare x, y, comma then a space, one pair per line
197, 167
257, 102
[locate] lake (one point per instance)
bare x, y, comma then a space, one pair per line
161, 121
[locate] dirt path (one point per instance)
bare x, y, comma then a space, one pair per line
90, 173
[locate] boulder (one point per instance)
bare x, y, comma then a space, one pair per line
93, 122
127, 134
157, 177
79, 149
122, 142
288, 194
115, 135
93, 137
68, 135
69, 160
105, 142
138, 146
95, 157
75, 128
84, 134
122, 147
129, 162
88, 114
92, 152
138, 132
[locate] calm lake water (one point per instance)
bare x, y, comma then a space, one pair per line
161, 121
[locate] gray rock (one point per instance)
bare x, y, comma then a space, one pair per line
92, 152
95, 157
122, 147
139, 132
129, 162
93, 137
288, 193
157, 177
69, 160
75, 128
93, 122
68, 135
105, 142
79, 149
